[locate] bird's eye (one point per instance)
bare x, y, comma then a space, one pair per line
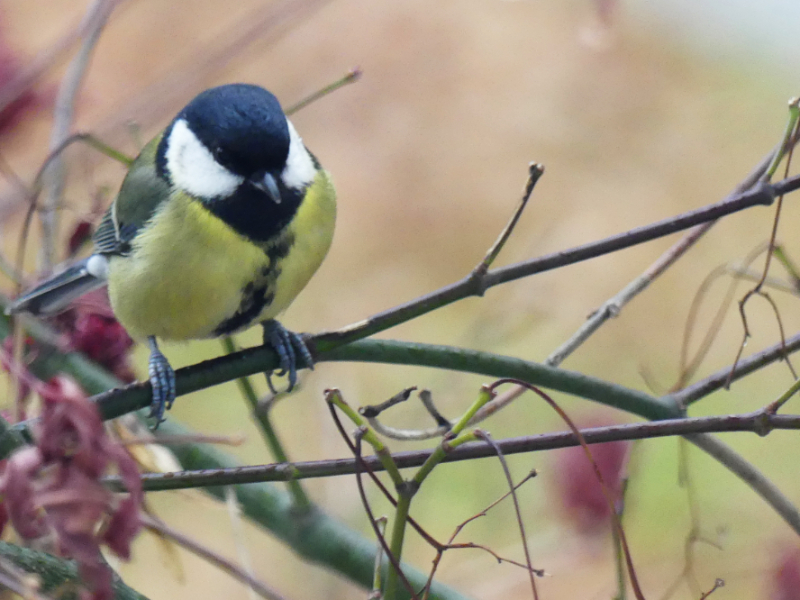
220, 154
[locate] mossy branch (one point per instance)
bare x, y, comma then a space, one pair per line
57, 575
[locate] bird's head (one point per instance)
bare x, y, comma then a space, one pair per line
231, 136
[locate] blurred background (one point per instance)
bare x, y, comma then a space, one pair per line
638, 110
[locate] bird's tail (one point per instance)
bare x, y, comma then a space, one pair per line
55, 294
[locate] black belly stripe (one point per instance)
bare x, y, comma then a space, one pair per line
259, 294
279, 248
254, 299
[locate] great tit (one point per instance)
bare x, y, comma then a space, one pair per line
220, 222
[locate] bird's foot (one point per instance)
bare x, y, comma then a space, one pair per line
162, 380
288, 345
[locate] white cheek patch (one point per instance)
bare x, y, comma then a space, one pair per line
192, 167
299, 171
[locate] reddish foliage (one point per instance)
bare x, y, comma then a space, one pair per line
785, 582
55, 488
105, 341
81, 233
28, 101
92, 329
580, 493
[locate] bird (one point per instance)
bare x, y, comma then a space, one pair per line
219, 223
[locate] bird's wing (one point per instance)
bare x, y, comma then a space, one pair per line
57, 293
140, 195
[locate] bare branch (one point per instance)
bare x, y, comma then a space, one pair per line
231, 569
761, 194
95, 19
513, 491
607, 494
535, 172
352, 76
751, 476
718, 380
760, 422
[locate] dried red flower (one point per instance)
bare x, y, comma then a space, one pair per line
56, 486
91, 328
579, 491
81, 233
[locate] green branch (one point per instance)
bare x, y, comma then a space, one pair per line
313, 534
262, 417
212, 372
494, 365
57, 576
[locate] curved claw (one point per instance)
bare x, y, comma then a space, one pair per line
162, 380
288, 345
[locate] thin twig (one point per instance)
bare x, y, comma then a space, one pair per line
619, 555
688, 367
496, 556
719, 380
222, 440
370, 470
531, 474
377, 578
762, 194
372, 411
751, 476
264, 25
231, 569
407, 435
453, 546
787, 148
535, 172
426, 397
235, 519
443, 424
96, 17
513, 491
740, 272
718, 583
615, 522
352, 76
613, 306
27, 76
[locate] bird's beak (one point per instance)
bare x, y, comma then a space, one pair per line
267, 184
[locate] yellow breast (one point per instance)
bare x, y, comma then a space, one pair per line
187, 270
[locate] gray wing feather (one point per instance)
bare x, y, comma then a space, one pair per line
55, 294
